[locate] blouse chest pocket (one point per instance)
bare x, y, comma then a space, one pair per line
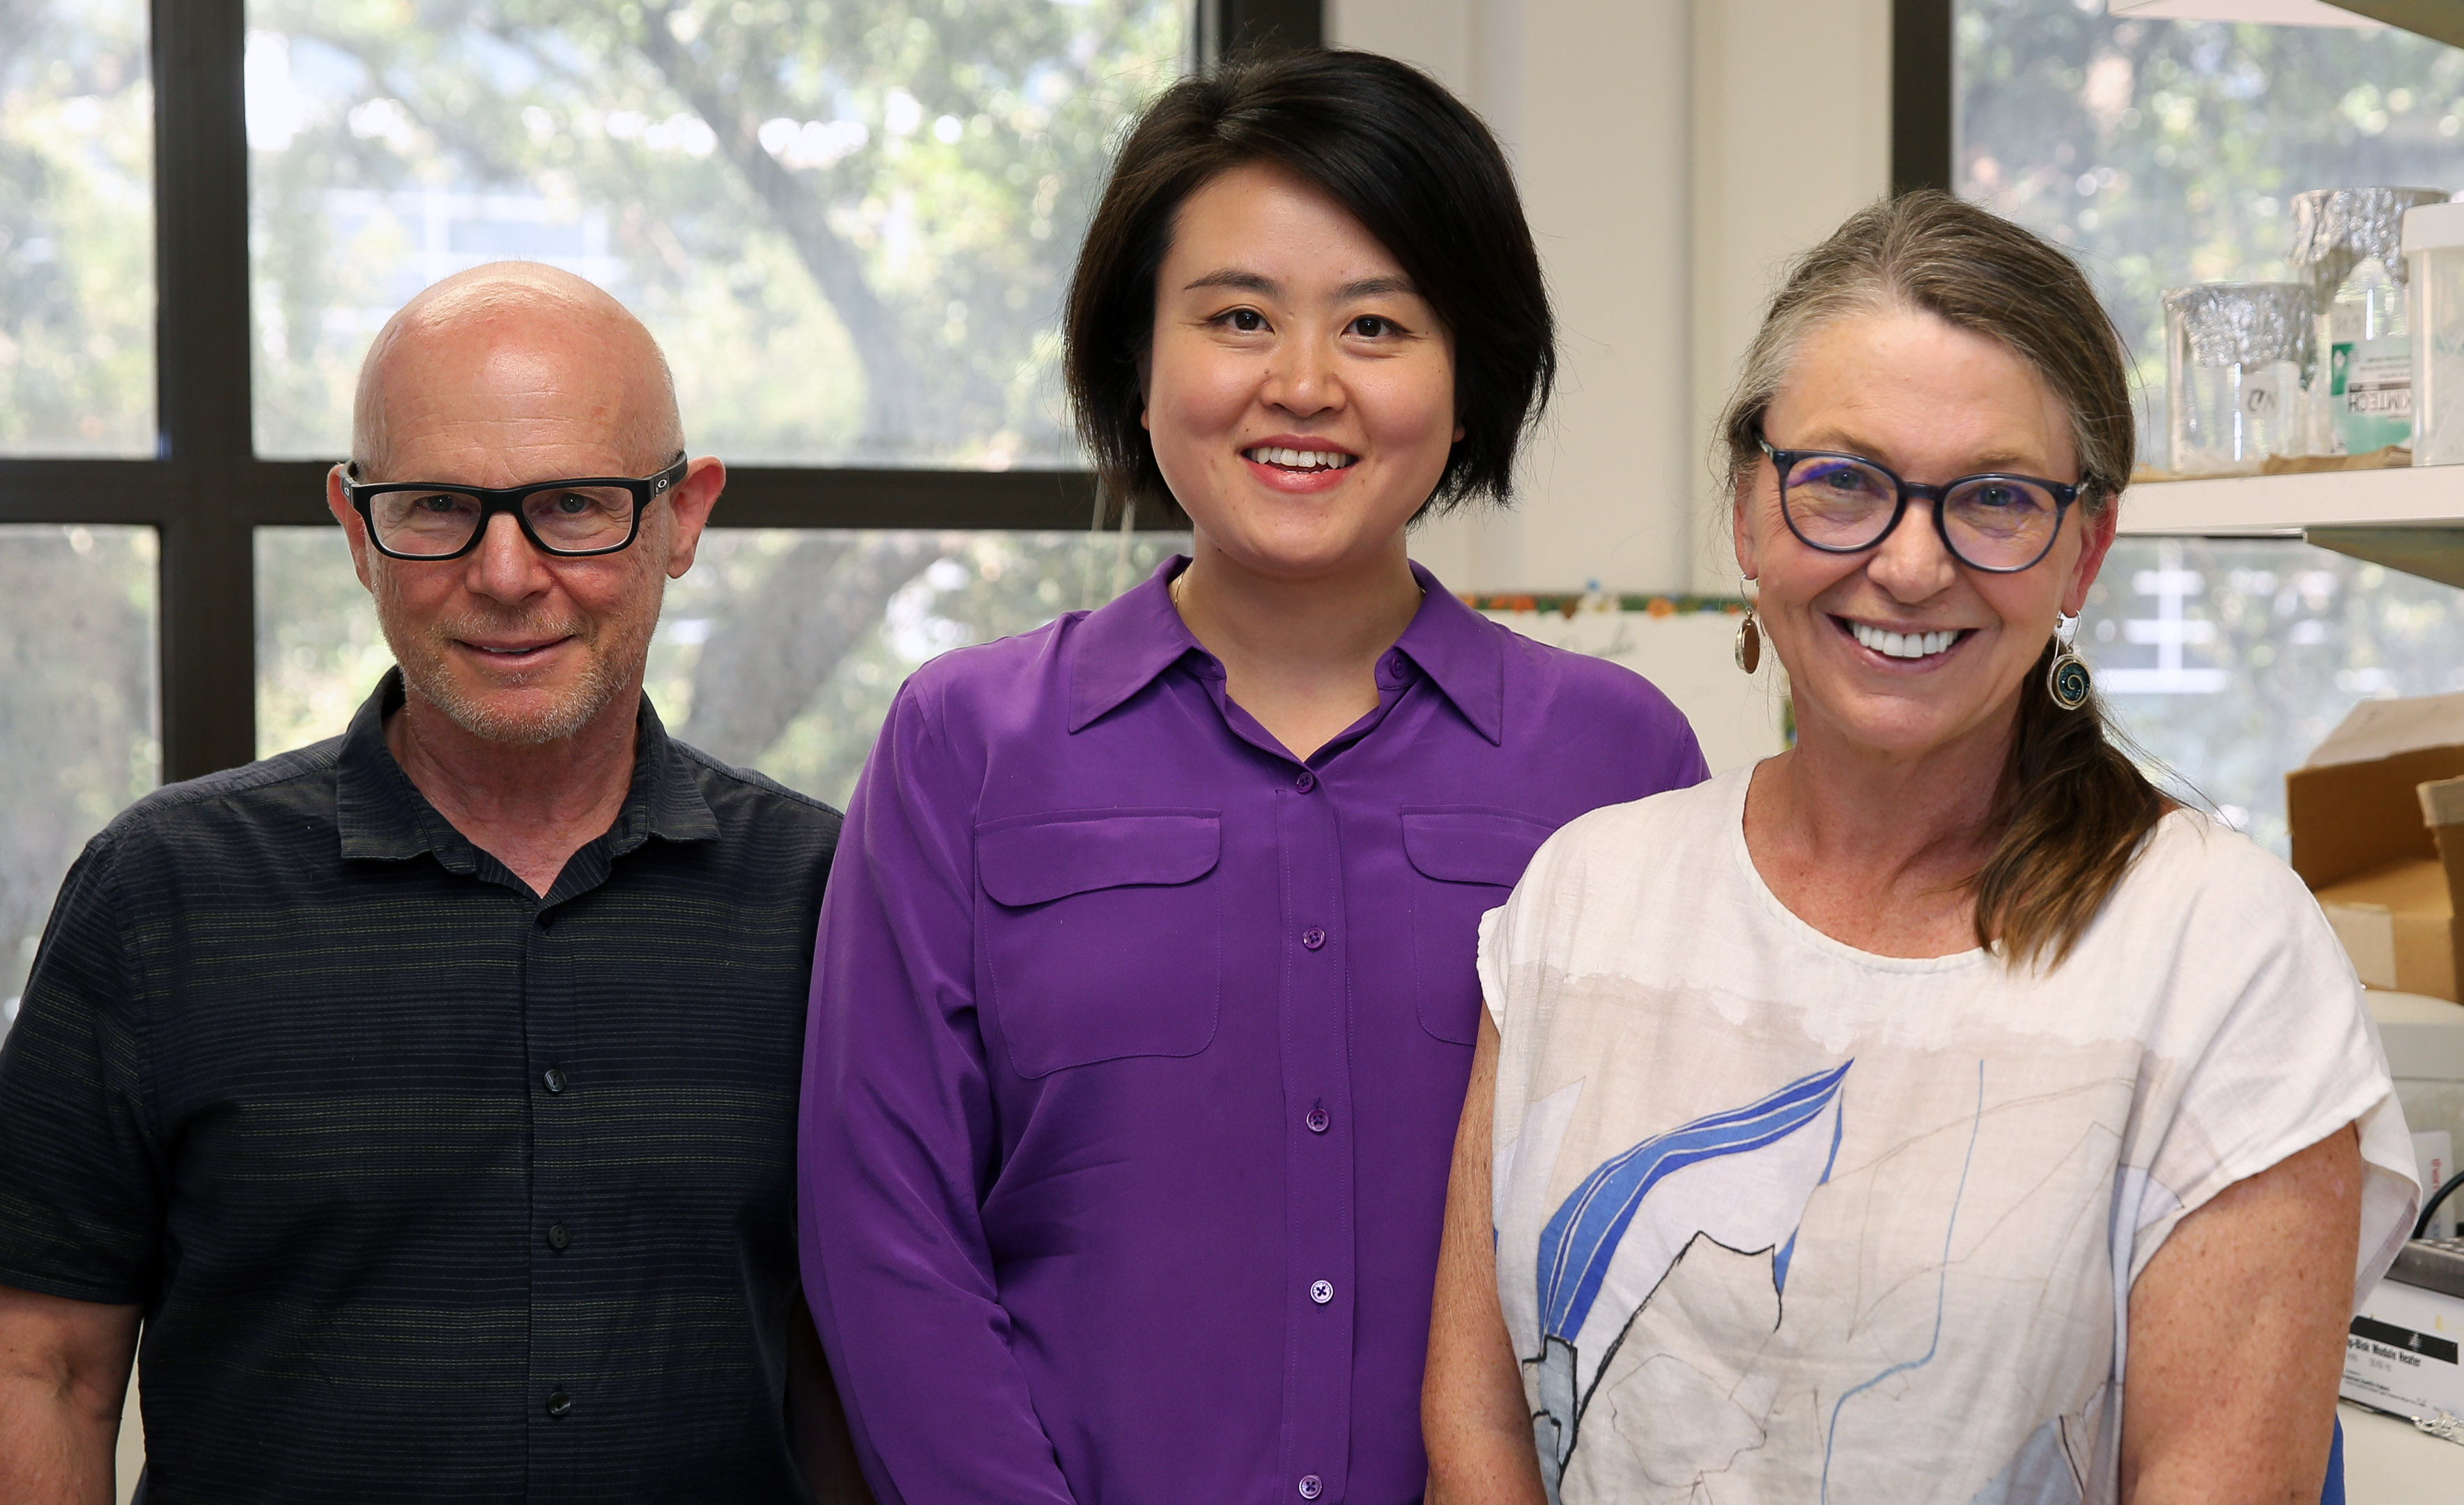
1473, 857
1102, 934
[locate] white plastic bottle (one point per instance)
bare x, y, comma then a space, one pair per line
2434, 255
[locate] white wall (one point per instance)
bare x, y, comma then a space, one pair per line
1672, 153
1791, 134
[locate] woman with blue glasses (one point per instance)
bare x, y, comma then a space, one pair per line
1933, 1111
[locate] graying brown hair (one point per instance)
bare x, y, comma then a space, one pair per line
1928, 252
2072, 809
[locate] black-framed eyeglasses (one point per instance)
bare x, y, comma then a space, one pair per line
429, 520
1846, 504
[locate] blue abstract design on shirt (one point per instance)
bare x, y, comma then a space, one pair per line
1580, 1243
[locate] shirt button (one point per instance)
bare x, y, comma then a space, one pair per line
553, 1079
1311, 1486
1322, 1291
559, 1403
1317, 1121
557, 1236
1313, 938
1305, 782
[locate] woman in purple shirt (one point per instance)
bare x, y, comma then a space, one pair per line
1145, 998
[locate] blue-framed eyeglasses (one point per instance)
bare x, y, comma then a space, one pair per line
1847, 504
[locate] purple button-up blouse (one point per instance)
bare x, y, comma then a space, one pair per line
1137, 1048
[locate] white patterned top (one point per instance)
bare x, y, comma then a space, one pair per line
1780, 1221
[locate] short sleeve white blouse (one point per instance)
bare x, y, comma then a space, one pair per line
1780, 1219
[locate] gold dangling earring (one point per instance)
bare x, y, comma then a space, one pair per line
2067, 680
1750, 643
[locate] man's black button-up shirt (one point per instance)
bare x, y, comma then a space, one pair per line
429, 1188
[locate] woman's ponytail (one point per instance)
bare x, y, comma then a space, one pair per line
2073, 809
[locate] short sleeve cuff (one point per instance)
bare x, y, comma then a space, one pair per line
2391, 1195
1492, 970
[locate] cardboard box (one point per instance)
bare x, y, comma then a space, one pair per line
2366, 837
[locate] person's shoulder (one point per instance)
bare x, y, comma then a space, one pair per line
1626, 880
748, 799
224, 804
994, 667
1678, 815
1666, 834
772, 797
2194, 875
2189, 851
209, 825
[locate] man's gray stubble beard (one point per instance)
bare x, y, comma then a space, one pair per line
422, 653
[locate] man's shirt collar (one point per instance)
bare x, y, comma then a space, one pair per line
380, 814
1120, 648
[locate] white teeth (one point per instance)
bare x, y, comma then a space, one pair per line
1903, 644
1298, 459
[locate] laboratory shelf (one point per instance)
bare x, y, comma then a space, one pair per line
2439, 20
2262, 505
2408, 518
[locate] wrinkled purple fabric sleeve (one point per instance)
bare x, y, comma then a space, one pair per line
896, 1142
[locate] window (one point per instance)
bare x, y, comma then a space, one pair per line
780, 651
848, 220
851, 227
2166, 153
850, 224
77, 710
2228, 659
77, 704
77, 212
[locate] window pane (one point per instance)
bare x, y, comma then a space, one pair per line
78, 737
2229, 658
850, 224
781, 649
76, 230
2168, 152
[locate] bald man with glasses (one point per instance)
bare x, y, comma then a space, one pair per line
425, 1098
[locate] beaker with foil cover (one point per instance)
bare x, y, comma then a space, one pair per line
2235, 353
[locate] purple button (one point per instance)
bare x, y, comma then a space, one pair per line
1311, 1486
1317, 1121
1305, 782
1313, 938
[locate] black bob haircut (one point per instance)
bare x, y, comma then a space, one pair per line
1410, 162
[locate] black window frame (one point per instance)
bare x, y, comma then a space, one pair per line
1922, 102
205, 493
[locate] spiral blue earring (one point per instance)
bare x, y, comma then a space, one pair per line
2067, 681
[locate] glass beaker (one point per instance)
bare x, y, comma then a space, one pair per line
2234, 356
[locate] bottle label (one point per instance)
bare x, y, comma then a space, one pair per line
2370, 392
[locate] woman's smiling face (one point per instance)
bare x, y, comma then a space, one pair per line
1902, 649
1299, 392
